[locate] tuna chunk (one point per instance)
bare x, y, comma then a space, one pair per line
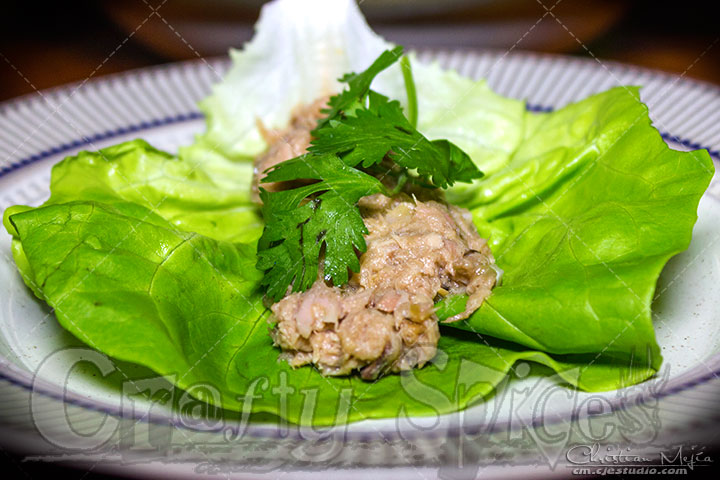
285, 144
347, 332
429, 248
419, 249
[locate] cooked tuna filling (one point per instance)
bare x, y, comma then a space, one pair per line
419, 249
285, 144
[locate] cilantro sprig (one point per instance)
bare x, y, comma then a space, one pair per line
321, 218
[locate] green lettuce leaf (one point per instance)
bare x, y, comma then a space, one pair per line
127, 283
590, 207
200, 191
149, 257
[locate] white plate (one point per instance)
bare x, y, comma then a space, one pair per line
52, 412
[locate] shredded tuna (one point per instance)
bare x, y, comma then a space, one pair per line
285, 144
419, 249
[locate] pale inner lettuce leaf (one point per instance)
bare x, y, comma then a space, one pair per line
298, 53
469, 114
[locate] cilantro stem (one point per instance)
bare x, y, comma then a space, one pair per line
401, 181
412, 110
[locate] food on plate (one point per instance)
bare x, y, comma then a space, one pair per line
166, 260
416, 248
383, 319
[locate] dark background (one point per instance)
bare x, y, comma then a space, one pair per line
44, 45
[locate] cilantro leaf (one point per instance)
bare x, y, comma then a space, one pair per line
359, 84
321, 216
367, 136
300, 223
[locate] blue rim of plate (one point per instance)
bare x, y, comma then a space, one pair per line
19, 377
163, 122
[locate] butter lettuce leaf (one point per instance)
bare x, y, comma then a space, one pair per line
200, 191
582, 219
127, 283
298, 54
